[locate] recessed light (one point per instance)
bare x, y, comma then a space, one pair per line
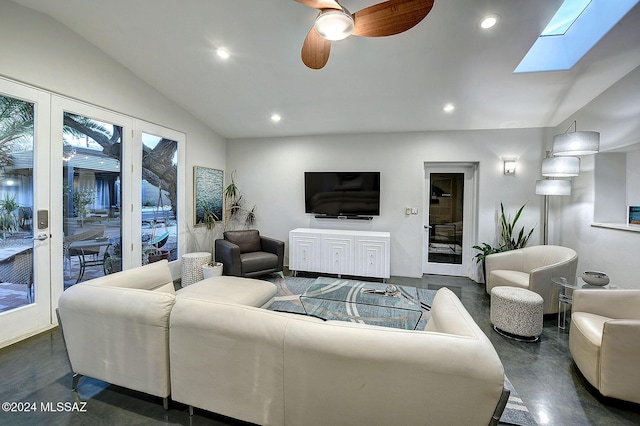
448, 108
489, 21
223, 53
276, 118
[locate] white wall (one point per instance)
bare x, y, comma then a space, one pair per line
270, 173
40, 52
616, 115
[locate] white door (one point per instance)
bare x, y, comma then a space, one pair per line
25, 245
448, 218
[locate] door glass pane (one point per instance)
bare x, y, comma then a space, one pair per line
91, 198
16, 203
445, 217
159, 198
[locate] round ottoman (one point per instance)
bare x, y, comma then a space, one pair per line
516, 313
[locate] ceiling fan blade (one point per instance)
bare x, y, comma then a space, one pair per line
390, 17
321, 4
315, 50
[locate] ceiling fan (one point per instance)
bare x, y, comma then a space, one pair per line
335, 22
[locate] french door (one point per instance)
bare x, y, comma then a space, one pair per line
449, 208
25, 243
61, 188
72, 203
91, 187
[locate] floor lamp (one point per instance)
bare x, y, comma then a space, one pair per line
563, 162
549, 187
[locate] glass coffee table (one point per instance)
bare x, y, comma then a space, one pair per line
363, 302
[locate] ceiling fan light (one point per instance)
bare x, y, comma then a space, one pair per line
576, 143
334, 24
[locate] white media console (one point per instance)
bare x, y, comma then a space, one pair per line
358, 253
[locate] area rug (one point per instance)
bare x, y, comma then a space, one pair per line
288, 300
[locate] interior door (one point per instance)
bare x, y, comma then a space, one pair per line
25, 285
448, 218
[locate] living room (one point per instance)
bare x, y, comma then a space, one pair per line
46, 55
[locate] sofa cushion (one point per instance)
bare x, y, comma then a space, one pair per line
248, 240
258, 261
228, 359
228, 289
154, 276
503, 277
340, 373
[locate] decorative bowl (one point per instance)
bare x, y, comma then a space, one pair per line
595, 278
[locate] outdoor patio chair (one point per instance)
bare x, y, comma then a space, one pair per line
18, 269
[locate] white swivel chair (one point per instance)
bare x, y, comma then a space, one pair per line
532, 268
604, 340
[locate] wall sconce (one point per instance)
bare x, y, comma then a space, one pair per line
576, 143
509, 167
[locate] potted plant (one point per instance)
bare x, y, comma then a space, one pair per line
9, 222
113, 259
234, 205
508, 239
209, 219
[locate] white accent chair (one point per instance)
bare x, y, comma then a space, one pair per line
532, 268
604, 340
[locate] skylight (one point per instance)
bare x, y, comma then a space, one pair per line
574, 30
565, 17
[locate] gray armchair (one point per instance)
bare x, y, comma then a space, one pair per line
248, 254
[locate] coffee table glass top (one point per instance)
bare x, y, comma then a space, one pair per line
364, 302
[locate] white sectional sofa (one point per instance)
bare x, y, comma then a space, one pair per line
212, 346
273, 368
116, 327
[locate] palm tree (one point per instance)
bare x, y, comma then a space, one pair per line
16, 121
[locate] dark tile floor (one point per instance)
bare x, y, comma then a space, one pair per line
35, 375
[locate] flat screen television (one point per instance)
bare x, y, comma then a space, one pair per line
350, 194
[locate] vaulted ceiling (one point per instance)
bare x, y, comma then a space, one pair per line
392, 84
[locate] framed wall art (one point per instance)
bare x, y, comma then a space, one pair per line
208, 187
633, 215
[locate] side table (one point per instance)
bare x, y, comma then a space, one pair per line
192, 267
565, 295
